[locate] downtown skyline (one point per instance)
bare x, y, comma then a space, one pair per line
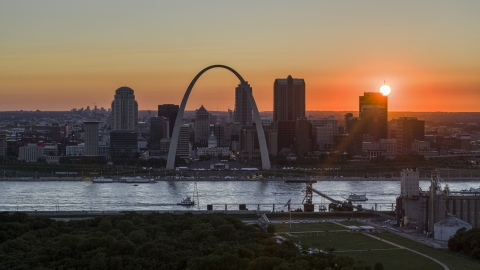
56, 56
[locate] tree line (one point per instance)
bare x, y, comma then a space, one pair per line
154, 241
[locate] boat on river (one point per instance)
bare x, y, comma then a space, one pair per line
356, 197
135, 180
470, 191
190, 201
187, 201
102, 180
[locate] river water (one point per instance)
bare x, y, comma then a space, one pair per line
164, 195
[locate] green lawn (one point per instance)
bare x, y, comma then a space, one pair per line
340, 241
452, 260
322, 235
397, 259
307, 227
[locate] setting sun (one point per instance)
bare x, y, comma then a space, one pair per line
385, 90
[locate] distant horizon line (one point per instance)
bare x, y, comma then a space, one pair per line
260, 111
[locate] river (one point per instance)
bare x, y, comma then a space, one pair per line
164, 195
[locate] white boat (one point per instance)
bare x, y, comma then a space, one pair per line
470, 191
102, 180
357, 197
137, 180
187, 202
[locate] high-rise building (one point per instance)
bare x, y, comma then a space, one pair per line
169, 111
159, 129
123, 143
324, 137
124, 110
243, 108
285, 134
229, 116
249, 147
91, 138
409, 129
373, 109
183, 145
3, 143
202, 126
323, 132
303, 133
352, 141
218, 131
271, 135
288, 105
288, 99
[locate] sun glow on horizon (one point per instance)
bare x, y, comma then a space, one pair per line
385, 90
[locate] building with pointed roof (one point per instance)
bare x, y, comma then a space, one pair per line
202, 126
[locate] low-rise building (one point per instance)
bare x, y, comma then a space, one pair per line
30, 153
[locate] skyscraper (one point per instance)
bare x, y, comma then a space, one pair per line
303, 132
124, 110
373, 109
169, 111
123, 143
202, 126
409, 129
183, 146
243, 108
288, 106
91, 138
288, 99
159, 129
3, 143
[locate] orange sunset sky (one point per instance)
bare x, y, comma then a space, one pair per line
57, 55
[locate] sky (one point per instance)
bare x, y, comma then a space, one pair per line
59, 55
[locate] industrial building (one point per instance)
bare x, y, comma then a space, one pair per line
420, 209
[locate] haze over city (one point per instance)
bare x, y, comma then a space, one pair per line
58, 55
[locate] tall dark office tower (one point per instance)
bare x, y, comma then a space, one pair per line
124, 110
202, 126
91, 138
3, 143
288, 105
288, 99
409, 129
243, 108
303, 140
169, 111
159, 129
373, 109
285, 134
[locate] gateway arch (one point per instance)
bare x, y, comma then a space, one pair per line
258, 123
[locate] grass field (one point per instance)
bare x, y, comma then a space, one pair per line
326, 235
307, 227
339, 241
398, 259
452, 260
